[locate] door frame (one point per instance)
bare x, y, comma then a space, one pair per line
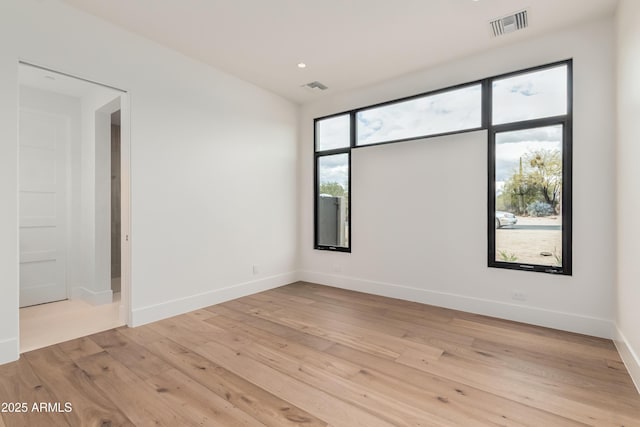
125, 208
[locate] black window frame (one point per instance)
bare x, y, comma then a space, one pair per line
316, 182
566, 121
486, 124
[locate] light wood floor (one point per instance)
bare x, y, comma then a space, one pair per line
317, 356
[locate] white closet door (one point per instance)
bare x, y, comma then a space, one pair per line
44, 139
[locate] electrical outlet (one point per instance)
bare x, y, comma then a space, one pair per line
519, 296
256, 270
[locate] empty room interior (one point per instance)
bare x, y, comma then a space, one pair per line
319, 213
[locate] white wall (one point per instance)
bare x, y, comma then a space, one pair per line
9, 211
628, 79
95, 284
429, 242
213, 164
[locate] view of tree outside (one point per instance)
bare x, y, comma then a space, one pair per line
332, 189
528, 196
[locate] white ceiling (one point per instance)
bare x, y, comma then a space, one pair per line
345, 43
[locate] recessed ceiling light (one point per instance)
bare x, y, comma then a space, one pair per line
302, 65
49, 77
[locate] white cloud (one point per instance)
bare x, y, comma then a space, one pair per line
334, 169
445, 112
530, 96
333, 132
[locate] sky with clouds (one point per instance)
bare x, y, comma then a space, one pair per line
333, 133
334, 168
522, 97
453, 110
530, 96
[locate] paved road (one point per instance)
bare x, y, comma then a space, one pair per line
534, 227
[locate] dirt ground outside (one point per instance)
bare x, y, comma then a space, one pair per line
525, 245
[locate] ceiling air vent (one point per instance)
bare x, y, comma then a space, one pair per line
315, 87
510, 23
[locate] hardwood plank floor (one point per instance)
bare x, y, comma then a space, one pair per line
311, 355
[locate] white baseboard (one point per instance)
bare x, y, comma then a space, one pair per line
92, 297
520, 313
629, 357
152, 313
9, 350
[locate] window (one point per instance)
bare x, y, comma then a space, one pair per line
333, 133
530, 95
332, 183
529, 169
333, 200
445, 112
528, 118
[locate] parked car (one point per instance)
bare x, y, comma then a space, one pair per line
505, 218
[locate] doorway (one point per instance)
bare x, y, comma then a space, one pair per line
74, 207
